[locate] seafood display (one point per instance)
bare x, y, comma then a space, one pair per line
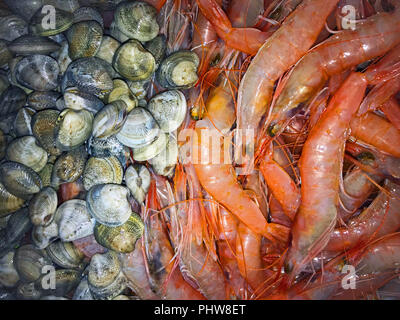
199, 149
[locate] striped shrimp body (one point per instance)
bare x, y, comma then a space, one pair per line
320, 169
372, 38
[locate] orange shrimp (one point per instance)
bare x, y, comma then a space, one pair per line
283, 49
373, 37
320, 168
376, 131
391, 109
245, 13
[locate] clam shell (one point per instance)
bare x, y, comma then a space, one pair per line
148, 152
122, 238
24, 8
137, 179
108, 147
169, 109
66, 5
25, 150
17, 226
105, 277
12, 27
63, 58
84, 39
157, 47
43, 128
140, 129
66, 280
133, 61
45, 174
78, 100
122, 92
65, 255
179, 70
43, 206
42, 236
8, 274
110, 119
39, 100
101, 4
87, 14
29, 44
3, 145
27, 291
116, 33
107, 49
5, 53
74, 220
37, 72
165, 162
22, 122
19, 179
38, 26
73, 128
11, 100
101, 171
108, 204
137, 20
82, 292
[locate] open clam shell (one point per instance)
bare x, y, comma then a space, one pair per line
137, 179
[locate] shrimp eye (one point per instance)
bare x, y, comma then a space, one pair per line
273, 129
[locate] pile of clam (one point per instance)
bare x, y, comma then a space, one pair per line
79, 136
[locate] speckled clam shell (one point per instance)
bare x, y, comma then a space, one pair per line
109, 147
8, 274
19, 179
45, 174
22, 122
65, 254
84, 39
140, 129
148, 152
43, 236
73, 128
43, 206
101, 171
105, 277
66, 280
110, 119
11, 100
78, 100
74, 220
137, 20
8, 202
12, 27
37, 72
108, 204
169, 109
43, 128
133, 61
122, 92
165, 162
25, 150
122, 238
137, 179
63, 20
107, 49
30, 44
39, 100
87, 14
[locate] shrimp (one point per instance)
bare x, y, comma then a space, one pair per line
376, 131
320, 168
373, 37
245, 12
391, 109
158, 4
380, 218
287, 45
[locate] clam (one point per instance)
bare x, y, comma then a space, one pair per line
179, 70
82, 292
45, 174
11, 100
4, 83
116, 33
148, 152
41, 25
105, 277
42, 236
43, 206
65, 255
24, 8
73, 128
169, 109
25, 150
27, 291
74, 220
19, 179
140, 129
22, 122
8, 274
133, 61
63, 58
78, 100
164, 163
5, 53
43, 128
39, 100
122, 238
122, 92
65, 281
37, 72
84, 39
137, 179
92, 75
7, 125
107, 49
12, 27
137, 20
29, 44
110, 119
69, 166
108, 147
157, 47
17, 226
66, 5
108, 204
100, 4
87, 14
101, 171
139, 89
29, 262
3, 145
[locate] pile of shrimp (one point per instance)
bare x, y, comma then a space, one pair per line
312, 209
